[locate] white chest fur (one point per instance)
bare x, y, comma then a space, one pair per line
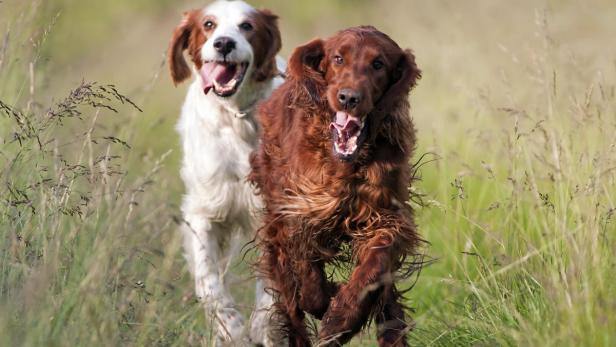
216, 143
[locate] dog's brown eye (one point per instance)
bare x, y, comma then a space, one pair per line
246, 26
377, 64
209, 24
338, 60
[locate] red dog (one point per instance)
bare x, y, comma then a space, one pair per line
333, 169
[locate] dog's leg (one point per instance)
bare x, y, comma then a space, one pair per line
349, 310
264, 330
277, 265
391, 326
203, 244
316, 291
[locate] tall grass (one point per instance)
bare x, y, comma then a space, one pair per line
520, 200
523, 212
87, 249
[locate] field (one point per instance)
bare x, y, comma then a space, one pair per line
516, 120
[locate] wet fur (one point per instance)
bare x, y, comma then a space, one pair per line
322, 210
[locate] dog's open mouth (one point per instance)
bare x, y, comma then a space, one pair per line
347, 131
223, 77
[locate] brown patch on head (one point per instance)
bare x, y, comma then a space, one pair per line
189, 35
265, 41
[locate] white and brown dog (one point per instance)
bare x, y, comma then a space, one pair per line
233, 49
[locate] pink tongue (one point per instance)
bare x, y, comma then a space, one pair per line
213, 71
341, 118
346, 124
345, 121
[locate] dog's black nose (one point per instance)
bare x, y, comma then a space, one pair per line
349, 98
224, 45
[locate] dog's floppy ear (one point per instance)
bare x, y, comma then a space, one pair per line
403, 78
267, 46
306, 60
305, 66
178, 66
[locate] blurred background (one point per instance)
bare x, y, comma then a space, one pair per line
465, 50
515, 112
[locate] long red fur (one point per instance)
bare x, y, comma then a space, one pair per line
317, 205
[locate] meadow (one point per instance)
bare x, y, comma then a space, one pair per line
516, 121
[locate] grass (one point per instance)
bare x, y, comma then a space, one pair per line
518, 113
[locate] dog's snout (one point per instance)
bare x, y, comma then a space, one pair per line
349, 98
224, 45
